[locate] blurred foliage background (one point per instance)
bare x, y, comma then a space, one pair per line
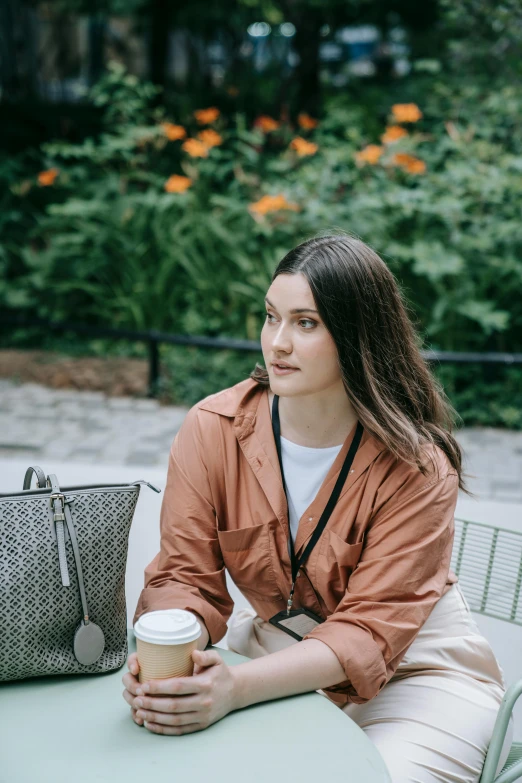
159, 185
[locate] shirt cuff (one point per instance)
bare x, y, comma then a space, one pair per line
359, 656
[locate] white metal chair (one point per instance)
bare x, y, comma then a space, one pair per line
488, 563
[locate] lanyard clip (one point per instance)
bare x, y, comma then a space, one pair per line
290, 600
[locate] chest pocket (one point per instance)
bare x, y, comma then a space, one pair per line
248, 556
335, 564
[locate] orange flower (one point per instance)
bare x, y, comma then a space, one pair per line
271, 204
406, 112
370, 154
210, 138
393, 133
47, 177
303, 147
409, 163
195, 148
173, 132
266, 123
177, 184
206, 116
306, 122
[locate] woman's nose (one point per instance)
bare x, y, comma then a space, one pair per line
281, 340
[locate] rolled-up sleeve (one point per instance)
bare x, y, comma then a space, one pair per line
400, 577
188, 572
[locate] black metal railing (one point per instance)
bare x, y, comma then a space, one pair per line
153, 339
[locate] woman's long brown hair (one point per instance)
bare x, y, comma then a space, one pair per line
390, 386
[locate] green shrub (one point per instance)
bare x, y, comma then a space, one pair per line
106, 243
189, 374
489, 395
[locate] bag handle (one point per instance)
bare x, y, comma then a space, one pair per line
40, 477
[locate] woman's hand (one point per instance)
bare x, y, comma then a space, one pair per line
182, 705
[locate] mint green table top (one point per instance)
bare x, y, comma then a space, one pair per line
78, 729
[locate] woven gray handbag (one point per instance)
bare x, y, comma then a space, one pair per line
63, 554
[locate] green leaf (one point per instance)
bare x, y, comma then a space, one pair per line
482, 312
434, 261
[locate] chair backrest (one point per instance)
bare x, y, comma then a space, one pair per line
488, 563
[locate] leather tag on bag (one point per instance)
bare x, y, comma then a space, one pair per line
89, 643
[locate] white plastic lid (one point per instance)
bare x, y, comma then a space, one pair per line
167, 626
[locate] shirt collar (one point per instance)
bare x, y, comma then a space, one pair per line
247, 404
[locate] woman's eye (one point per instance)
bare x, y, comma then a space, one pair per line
309, 324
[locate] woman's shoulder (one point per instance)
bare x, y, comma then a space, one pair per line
213, 411
210, 421
398, 478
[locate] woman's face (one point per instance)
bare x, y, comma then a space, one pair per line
293, 333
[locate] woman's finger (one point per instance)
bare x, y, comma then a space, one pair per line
168, 719
133, 664
137, 720
167, 704
129, 698
158, 728
131, 682
173, 686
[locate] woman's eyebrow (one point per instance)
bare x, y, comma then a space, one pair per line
299, 310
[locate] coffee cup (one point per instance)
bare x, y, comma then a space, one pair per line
165, 640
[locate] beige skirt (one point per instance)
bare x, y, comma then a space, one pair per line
433, 721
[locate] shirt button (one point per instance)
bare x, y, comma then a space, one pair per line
352, 471
310, 519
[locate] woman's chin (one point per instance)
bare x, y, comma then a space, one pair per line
284, 385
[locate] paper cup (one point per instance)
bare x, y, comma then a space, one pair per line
165, 640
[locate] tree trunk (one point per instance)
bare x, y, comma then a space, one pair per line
9, 76
159, 42
96, 36
306, 42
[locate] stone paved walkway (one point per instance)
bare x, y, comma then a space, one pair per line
49, 425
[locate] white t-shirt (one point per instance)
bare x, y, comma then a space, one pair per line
305, 470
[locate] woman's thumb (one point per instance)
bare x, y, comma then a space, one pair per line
204, 658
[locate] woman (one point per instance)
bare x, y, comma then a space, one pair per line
347, 427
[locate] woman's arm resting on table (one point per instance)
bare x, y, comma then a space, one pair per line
302, 668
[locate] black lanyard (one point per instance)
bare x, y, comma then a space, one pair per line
325, 516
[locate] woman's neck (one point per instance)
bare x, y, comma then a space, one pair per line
316, 420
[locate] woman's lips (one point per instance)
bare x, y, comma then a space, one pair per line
283, 370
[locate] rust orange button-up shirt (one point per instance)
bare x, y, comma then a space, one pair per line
375, 574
